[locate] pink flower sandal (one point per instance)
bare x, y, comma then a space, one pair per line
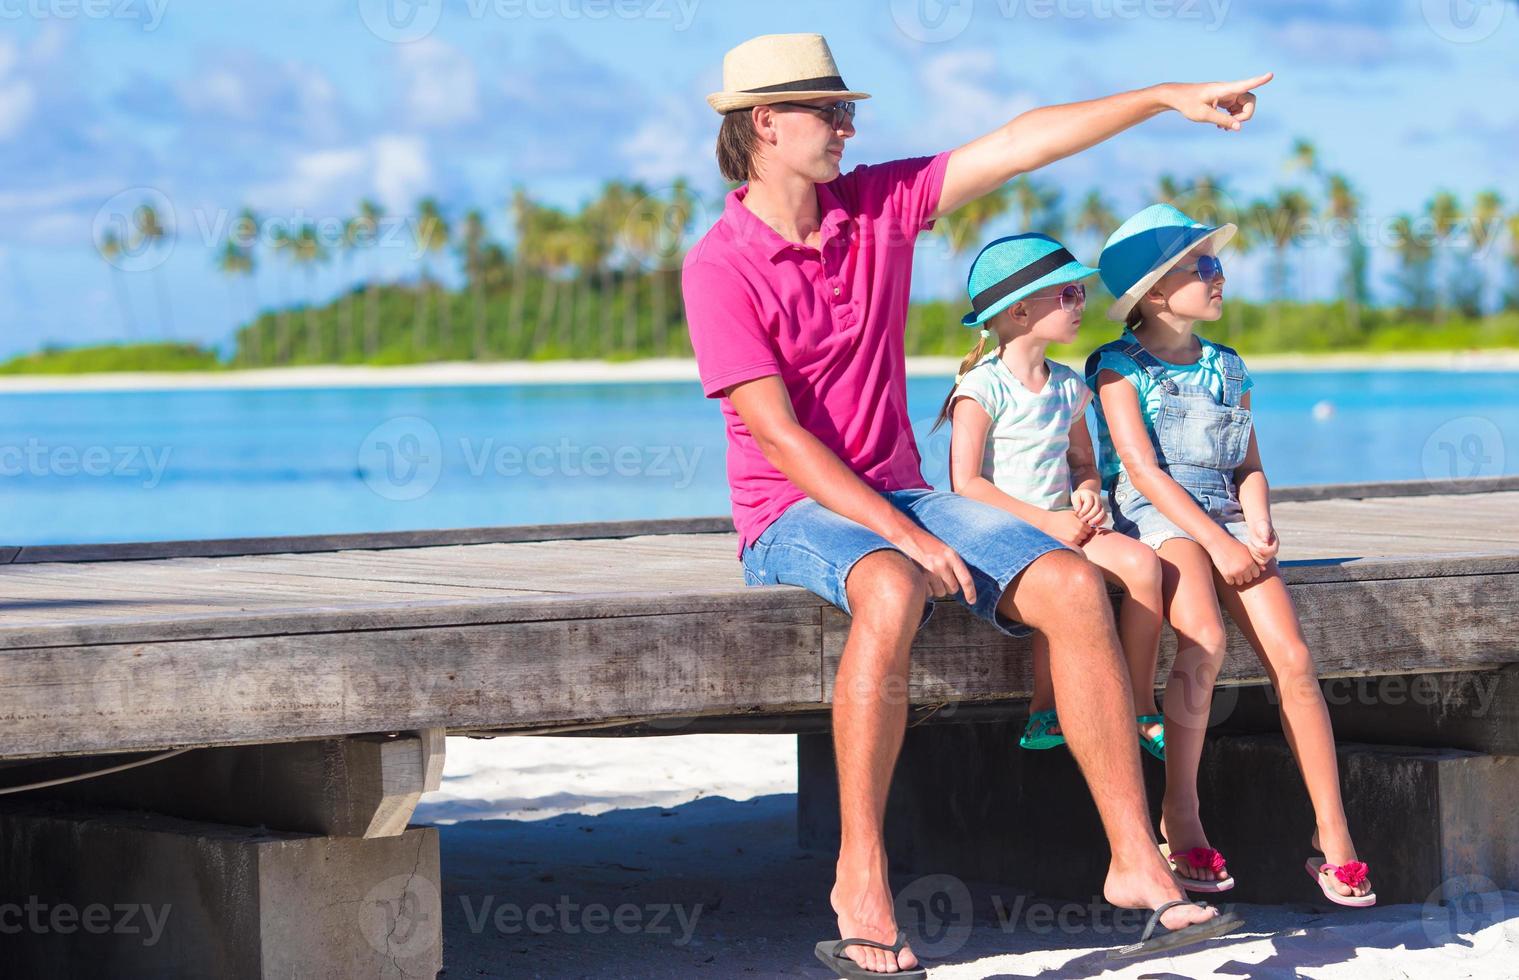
1200, 857
1352, 873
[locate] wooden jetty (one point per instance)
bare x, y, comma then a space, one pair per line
312, 680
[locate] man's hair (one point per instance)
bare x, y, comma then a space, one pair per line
737, 143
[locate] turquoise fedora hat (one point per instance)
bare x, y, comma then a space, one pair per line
1145, 247
1009, 269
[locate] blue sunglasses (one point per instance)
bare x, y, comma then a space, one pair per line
1207, 267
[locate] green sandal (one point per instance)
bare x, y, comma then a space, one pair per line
1036, 734
1154, 744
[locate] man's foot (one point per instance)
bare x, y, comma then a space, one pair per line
1183, 832
1341, 852
861, 898
1150, 887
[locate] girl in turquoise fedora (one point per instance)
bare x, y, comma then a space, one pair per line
1183, 474
1020, 442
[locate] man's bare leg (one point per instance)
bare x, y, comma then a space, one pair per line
886, 596
1064, 596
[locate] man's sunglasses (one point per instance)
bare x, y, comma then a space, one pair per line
1072, 297
839, 112
1207, 267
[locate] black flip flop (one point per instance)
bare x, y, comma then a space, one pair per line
1177, 938
831, 952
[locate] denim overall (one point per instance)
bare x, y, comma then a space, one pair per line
1197, 440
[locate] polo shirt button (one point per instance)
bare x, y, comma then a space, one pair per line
835, 290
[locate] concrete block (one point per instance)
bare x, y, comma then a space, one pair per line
93, 892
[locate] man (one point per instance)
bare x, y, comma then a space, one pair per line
797, 301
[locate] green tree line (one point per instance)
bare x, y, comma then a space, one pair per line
603, 280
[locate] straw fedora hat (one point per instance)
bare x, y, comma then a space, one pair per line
779, 68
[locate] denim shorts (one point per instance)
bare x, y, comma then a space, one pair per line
1134, 514
815, 548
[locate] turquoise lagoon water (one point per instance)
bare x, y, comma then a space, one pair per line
156, 465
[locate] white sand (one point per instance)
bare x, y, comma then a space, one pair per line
691, 840
652, 369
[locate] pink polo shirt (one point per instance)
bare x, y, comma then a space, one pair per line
829, 320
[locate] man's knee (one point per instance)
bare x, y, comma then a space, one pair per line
886, 582
1056, 583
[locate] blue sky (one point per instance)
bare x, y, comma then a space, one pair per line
300, 109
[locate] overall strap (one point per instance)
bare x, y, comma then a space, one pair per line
1233, 367
1157, 371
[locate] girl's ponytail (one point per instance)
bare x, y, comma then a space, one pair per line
965, 365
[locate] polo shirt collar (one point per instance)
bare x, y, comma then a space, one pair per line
750, 230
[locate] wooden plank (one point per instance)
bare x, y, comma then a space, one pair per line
137, 696
1395, 488
1353, 629
137, 550
615, 529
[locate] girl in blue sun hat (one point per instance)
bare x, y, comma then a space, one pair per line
1020, 442
1183, 474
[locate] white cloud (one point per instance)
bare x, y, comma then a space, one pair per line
441, 84
402, 172
672, 141
393, 167
972, 81
17, 96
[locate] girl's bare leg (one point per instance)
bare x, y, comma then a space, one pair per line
1044, 689
1263, 612
1133, 566
1191, 607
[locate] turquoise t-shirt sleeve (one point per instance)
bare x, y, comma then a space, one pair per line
980, 386
1249, 382
1124, 367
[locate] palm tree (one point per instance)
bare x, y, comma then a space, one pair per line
472, 240
1415, 253
1511, 298
1038, 204
1304, 156
368, 221
1444, 212
521, 213
430, 235
111, 249
1487, 226
1285, 213
1095, 217
233, 261
1167, 190
963, 229
152, 234
308, 254
1344, 206
284, 245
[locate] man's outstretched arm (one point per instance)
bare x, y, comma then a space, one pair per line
1041, 136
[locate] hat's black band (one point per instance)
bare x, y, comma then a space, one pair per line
1030, 273
823, 83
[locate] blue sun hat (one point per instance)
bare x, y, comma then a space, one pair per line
1009, 269
1145, 247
